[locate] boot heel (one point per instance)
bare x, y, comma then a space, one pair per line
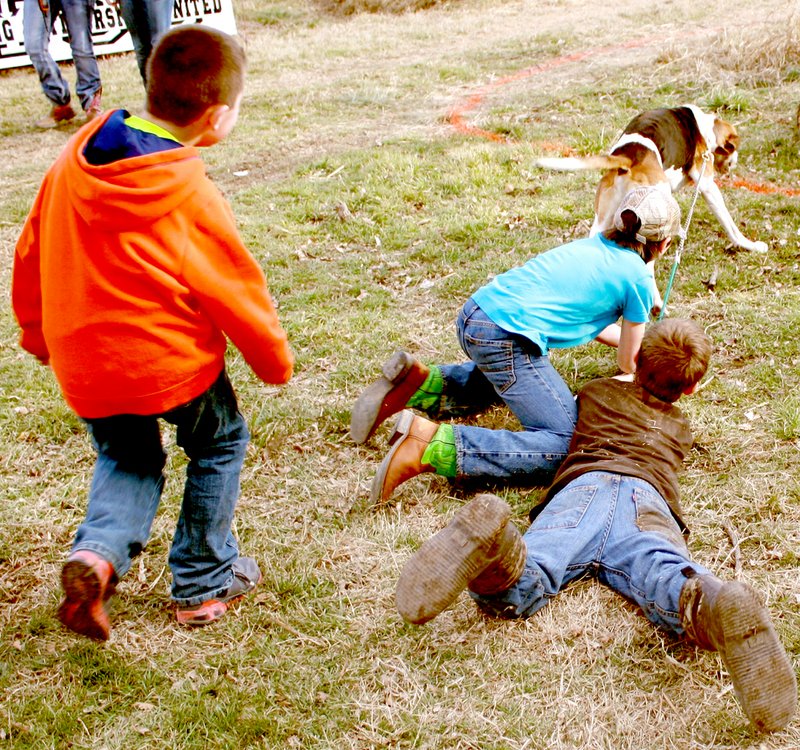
397, 366
402, 426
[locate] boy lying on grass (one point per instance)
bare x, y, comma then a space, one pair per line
613, 511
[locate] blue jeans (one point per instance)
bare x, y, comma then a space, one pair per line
128, 482
508, 368
36, 31
613, 527
147, 21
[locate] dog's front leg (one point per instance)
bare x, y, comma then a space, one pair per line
717, 205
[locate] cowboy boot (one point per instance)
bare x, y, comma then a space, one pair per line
728, 617
88, 581
401, 376
480, 549
410, 438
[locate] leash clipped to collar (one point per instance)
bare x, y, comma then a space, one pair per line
684, 232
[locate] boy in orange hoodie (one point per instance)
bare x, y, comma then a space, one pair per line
128, 276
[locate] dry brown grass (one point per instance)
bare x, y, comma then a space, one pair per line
765, 54
349, 7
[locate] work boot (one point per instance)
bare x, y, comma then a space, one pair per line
58, 114
95, 108
410, 438
401, 376
480, 549
88, 581
728, 617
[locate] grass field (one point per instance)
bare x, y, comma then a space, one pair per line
374, 219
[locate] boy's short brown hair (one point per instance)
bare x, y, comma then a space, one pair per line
191, 69
673, 357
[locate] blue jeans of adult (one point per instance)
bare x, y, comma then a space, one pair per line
128, 481
36, 28
506, 368
614, 527
147, 21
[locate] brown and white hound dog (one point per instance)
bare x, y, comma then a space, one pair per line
665, 147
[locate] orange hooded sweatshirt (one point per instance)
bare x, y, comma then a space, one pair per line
127, 278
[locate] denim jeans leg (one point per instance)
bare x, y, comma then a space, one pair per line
78, 14
214, 436
466, 389
562, 545
126, 488
533, 391
646, 558
147, 22
529, 456
36, 32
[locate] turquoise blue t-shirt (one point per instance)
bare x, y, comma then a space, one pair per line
566, 296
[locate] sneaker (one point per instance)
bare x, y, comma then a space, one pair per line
95, 108
58, 114
88, 581
246, 576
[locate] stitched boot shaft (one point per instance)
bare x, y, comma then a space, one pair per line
728, 617
401, 376
409, 440
479, 544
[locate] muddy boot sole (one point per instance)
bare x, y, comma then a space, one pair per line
445, 565
760, 670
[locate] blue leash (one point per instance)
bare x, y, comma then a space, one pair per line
684, 231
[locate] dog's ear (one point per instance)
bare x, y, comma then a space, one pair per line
727, 138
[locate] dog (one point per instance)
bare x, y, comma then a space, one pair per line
665, 148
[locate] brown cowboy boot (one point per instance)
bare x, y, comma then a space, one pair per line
88, 581
480, 549
410, 438
58, 113
401, 376
728, 617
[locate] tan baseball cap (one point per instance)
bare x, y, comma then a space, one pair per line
657, 211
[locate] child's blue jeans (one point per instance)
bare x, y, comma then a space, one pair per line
506, 368
128, 481
614, 527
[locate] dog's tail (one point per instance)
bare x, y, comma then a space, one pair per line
581, 163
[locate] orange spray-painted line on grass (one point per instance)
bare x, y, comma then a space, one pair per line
457, 116
765, 188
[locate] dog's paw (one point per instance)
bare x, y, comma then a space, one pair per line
759, 247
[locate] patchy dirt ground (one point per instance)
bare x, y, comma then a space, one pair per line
373, 54
355, 70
